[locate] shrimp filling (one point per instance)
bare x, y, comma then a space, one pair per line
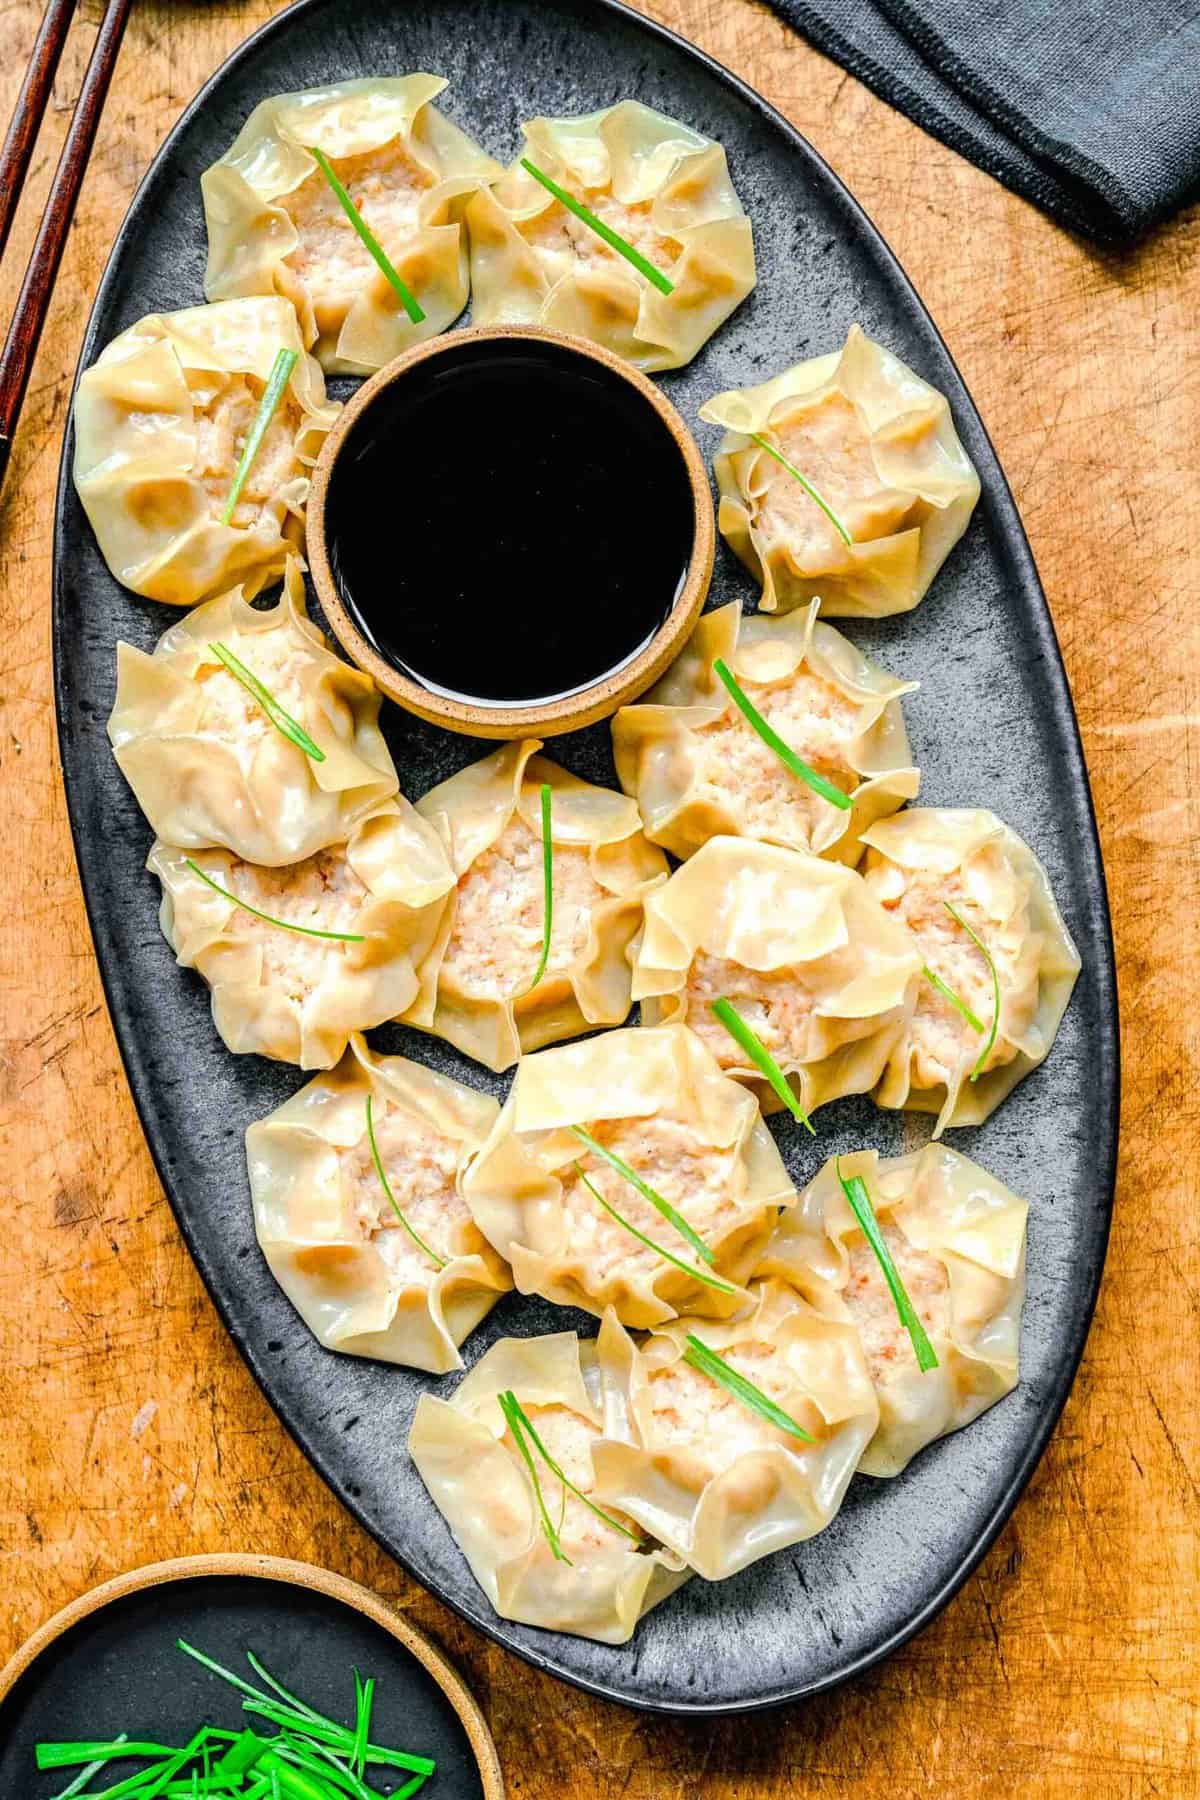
566, 241
421, 1166
495, 942
231, 712
387, 186
695, 1415
828, 445
224, 409
774, 1002
322, 894
568, 1438
885, 1341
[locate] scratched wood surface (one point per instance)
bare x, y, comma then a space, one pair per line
1069, 1664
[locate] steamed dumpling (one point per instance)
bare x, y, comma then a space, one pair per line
610, 1573
719, 1484
476, 990
657, 1100
799, 948
698, 769
275, 225
277, 988
361, 1276
208, 766
160, 421
661, 186
879, 446
957, 1237
917, 863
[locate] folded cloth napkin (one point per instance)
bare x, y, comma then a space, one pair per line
1089, 108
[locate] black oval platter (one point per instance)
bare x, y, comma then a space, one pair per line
992, 725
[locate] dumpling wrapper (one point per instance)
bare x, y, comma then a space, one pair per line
698, 769
657, 1099
160, 420
798, 946
958, 1238
287, 995
879, 446
209, 768
275, 225
710, 1478
482, 1488
475, 989
329, 1232
661, 186
915, 863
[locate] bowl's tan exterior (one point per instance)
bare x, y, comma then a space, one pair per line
550, 718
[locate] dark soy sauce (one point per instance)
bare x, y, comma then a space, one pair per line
509, 522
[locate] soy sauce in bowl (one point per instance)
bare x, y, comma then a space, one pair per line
509, 521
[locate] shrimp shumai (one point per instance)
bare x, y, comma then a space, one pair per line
699, 769
481, 990
800, 949
979, 908
276, 225
878, 445
662, 187
628, 1171
355, 1184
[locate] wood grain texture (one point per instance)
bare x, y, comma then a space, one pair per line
1069, 1665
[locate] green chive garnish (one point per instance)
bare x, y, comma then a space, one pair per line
948, 993
712, 1281
281, 374
706, 1361
761, 1057
656, 1200
516, 1421
806, 484
375, 250
612, 238
512, 1408
979, 944
438, 1261
85, 1775
281, 720
547, 887
773, 741
340, 937
859, 1202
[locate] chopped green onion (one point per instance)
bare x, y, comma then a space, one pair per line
100, 1751
364, 1694
771, 738
712, 1281
281, 720
339, 937
375, 250
515, 1419
93, 1768
761, 1057
511, 1405
859, 1202
547, 886
281, 374
806, 484
647, 1192
979, 944
707, 1362
439, 1262
948, 993
612, 238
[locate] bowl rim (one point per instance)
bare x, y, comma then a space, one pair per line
294, 1574
539, 718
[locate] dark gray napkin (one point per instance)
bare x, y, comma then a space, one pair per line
1091, 110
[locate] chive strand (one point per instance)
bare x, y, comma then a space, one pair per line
547, 885
374, 248
512, 1418
281, 720
85, 1775
859, 1202
712, 1281
796, 765
612, 238
705, 1360
281, 374
559, 1474
439, 1262
948, 993
339, 937
744, 1035
979, 944
806, 484
656, 1200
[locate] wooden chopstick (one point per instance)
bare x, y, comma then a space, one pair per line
33, 301
30, 108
